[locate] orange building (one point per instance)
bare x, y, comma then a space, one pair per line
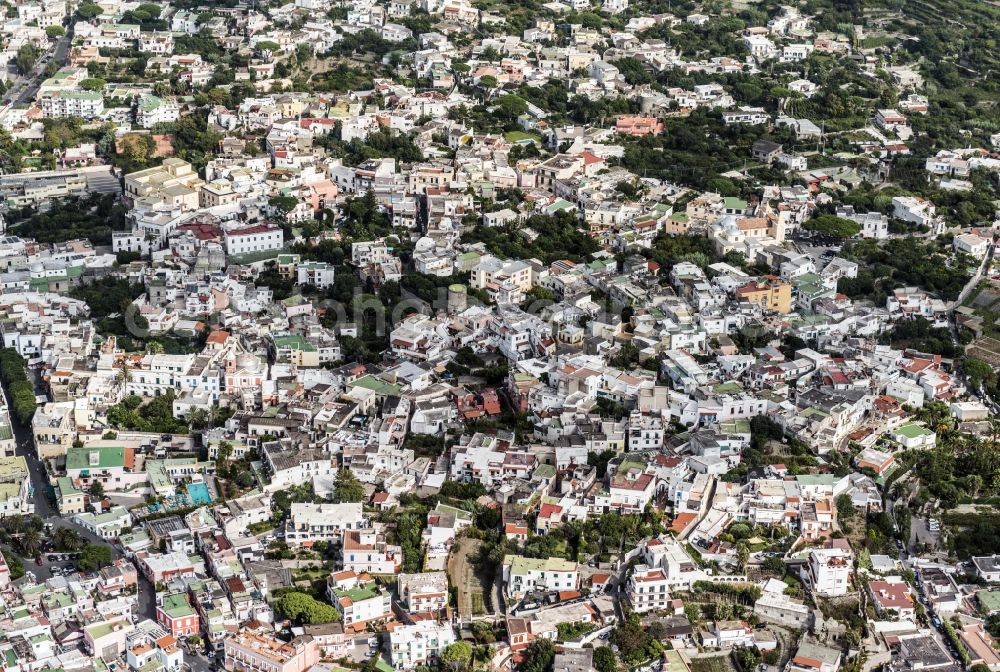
770, 293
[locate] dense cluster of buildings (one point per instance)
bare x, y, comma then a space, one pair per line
670, 375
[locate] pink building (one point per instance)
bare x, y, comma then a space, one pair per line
639, 126
252, 652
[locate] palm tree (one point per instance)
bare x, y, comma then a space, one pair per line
14, 524
974, 483
198, 418
154, 347
67, 539
30, 542
125, 375
742, 555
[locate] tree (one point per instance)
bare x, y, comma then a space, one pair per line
14, 524
304, 608
457, 656
55, 31
93, 557
692, 612
88, 10
30, 542
604, 659
198, 418
742, 555
96, 490
27, 56
539, 656
14, 564
347, 488
834, 226
977, 371
722, 611
845, 507
133, 151
631, 640
20, 390
67, 539
774, 565
748, 658
284, 204
96, 84
149, 9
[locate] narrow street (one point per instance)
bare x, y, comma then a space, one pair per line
24, 89
46, 507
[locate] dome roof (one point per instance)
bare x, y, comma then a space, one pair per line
247, 361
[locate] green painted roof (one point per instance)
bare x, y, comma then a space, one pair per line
66, 486
989, 599
109, 457
545, 471
809, 283
150, 103
817, 479
370, 382
357, 593
913, 431
294, 342
176, 606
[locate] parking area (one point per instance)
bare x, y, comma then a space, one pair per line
924, 532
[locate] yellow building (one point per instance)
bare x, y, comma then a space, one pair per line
295, 349
770, 293
71, 499
174, 184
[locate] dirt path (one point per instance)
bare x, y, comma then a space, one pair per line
462, 573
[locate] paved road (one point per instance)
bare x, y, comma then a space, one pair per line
983, 272
46, 508
24, 89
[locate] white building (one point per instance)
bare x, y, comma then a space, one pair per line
418, 644
987, 567
521, 574
15, 487
746, 115
359, 601
367, 551
648, 589
971, 244
153, 110
913, 209
783, 609
260, 238
828, 572
63, 103
316, 273
309, 523
423, 592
